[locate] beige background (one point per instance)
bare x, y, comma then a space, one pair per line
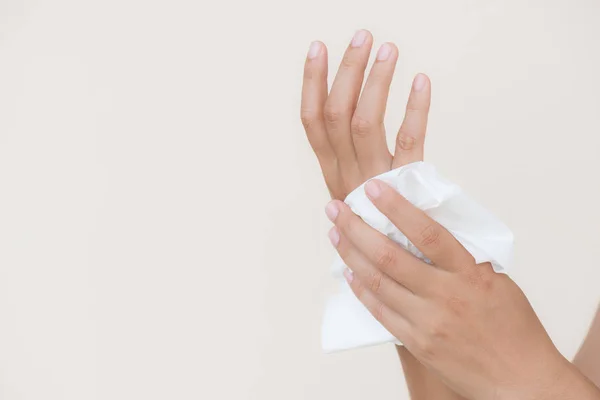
162, 232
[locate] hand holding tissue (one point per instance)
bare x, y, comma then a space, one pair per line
347, 324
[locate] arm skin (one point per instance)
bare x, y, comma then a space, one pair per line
471, 326
422, 383
588, 357
345, 129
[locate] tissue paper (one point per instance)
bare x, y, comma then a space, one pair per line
347, 324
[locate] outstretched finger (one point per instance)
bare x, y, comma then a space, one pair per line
314, 96
410, 141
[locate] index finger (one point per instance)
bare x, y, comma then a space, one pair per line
432, 239
314, 95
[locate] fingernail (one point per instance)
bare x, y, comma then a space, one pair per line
419, 82
314, 50
384, 52
348, 275
373, 189
359, 38
332, 211
334, 236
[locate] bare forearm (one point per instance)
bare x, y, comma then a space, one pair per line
588, 357
570, 384
422, 383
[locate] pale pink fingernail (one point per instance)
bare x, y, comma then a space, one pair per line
332, 211
384, 52
419, 82
359, 38
373, 189
348, 275
314, 50
334, 236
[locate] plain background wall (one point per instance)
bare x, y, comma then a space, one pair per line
162, 232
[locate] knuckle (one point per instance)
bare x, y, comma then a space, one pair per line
359, 289
482, 278
308, 118
425, 348
333, 113
487, 282
348, 61
379, 311
320, 147
361, 126
375, 280
437, 330
406, 141
431, 341
456, 306
430, 236
417, 109
385, 257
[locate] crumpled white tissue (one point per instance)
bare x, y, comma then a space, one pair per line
347, 324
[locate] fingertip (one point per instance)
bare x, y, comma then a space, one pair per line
315, 50
395, 50
373, 189
315, 66
387, 51
421, 82
361, 37
332, 210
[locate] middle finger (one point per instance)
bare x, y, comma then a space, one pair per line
341, 104
368, 131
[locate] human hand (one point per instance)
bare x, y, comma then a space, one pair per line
473, 327
345, 127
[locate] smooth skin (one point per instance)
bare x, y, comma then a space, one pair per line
481, 337
461, 320
346, 131
588, 356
